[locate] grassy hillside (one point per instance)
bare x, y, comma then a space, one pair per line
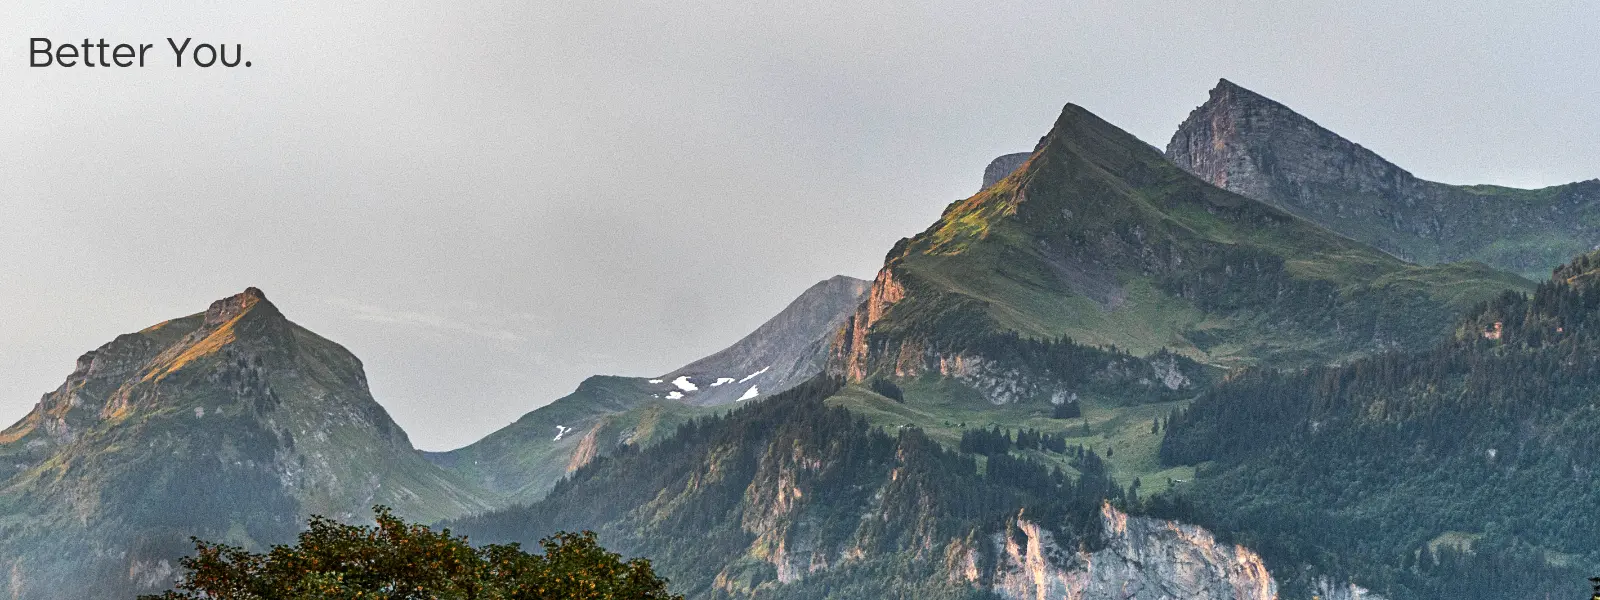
522, 461
943, 409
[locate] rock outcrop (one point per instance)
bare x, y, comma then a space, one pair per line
852, 350
1143, 559
1246, 143
1002, 166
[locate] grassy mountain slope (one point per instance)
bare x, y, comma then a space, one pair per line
944, 409
234, 424
524, 459
1098, 238
1466, 470
1249, 144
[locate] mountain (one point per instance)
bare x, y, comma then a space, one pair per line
1016, 361
1463, 471
1246, 143
787, 350
795, 498
524, 459
233, 424
1098, 239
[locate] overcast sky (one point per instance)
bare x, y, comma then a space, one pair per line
489, 201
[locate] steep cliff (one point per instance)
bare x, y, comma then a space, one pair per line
1246, 143
233, 424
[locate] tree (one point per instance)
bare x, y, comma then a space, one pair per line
395, 560
888, 389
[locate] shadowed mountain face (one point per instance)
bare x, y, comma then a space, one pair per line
234, 424
1098, 238
1248, 144
524, 459
1463, 471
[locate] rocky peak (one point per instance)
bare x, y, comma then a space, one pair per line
1248, 144
1002, 166
230, 308
246, 420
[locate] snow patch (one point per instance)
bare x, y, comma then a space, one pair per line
753, 375
684, 384
722, 381
748, 394
675, 395
199, 411
655, 381
561, 431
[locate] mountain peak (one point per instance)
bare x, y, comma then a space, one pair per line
1085, 134
230, 308
1256, 147
1227, 91
788, 349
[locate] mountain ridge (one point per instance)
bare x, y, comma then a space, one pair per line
1247, 143
526, 458
1098, 238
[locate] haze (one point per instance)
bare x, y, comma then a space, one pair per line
488, 202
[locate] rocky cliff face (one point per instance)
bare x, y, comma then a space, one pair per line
1143, 559
1002, 166
1246, 143
852, 350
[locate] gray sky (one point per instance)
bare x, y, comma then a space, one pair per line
489, 201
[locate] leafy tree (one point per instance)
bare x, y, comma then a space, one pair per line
395, 560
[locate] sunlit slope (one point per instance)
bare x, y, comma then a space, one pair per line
234, 425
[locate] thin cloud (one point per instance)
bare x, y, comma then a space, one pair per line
372, 313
